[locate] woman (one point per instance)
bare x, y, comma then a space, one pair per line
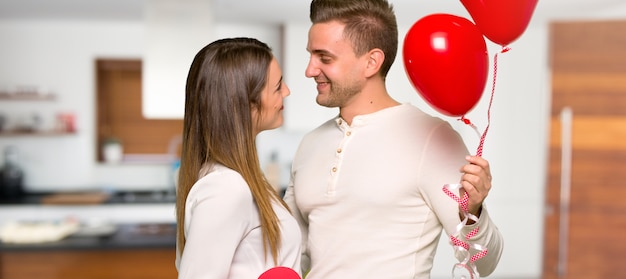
231, 222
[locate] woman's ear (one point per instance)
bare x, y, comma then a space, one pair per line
375, 58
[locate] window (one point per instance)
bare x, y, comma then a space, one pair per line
118, 90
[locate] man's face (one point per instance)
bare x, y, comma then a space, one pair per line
333, 64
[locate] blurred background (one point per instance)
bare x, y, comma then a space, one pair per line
91, 101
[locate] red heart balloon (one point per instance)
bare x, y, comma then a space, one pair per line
280, 272
445, 57
501, 21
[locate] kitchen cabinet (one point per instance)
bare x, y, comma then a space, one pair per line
93, 264
134, 251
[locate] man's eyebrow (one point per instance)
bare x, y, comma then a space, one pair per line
320, 51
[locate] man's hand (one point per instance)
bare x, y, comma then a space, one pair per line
476, 182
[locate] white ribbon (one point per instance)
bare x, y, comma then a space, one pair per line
465, 269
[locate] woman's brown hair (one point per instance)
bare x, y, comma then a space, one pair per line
224, 84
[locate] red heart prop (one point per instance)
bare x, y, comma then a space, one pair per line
280, 272
445, 57
501, 21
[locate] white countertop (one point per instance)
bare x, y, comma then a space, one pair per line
115, 213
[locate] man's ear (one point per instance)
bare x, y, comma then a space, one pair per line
375, 58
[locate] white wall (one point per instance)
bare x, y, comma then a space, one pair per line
60, 56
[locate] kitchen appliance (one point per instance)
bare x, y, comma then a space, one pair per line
11, 176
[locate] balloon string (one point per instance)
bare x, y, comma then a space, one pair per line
479, 151
464, 246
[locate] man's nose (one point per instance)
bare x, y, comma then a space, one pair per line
311, 70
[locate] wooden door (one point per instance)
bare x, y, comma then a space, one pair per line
585, 222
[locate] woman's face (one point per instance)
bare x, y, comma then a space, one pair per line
270, 115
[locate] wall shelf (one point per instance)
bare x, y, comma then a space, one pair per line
33, 96
19, 133
26, 97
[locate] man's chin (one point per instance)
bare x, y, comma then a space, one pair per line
322, 101
326, 104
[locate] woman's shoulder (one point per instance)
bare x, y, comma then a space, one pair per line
221, 182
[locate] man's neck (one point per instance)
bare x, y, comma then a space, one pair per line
367, 102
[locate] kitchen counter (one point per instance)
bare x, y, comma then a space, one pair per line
139, 220
125, 236
122, 197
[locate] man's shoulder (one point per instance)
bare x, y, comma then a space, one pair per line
328, 125
413, 113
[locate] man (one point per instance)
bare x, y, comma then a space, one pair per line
366, 186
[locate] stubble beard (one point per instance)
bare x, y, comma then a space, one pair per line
338, 95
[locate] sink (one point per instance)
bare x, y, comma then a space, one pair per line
145, 234
142, 197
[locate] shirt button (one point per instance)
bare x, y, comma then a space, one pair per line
348, 133
338, 150
335, 169
340, 121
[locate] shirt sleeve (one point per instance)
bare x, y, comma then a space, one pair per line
488, 236
448, 151
218, 213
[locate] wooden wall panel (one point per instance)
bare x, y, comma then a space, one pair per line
588, 62
589, 94
119, 111
599, 133
599, 42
